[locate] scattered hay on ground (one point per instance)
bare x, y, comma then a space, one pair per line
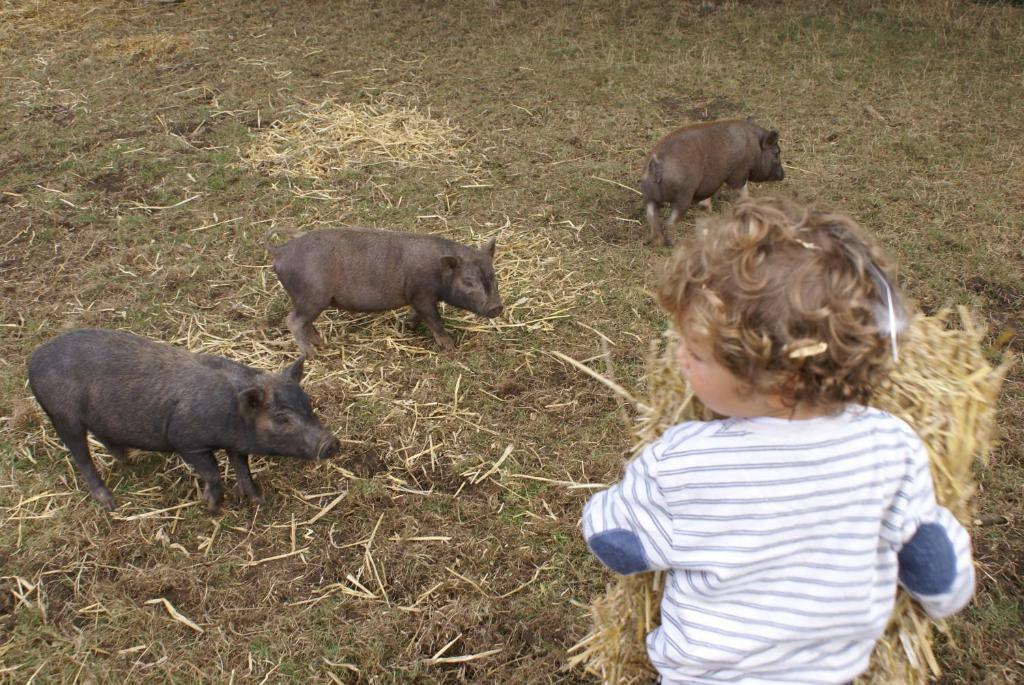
318, 140
943, 386
145, 47
537, 290
426, 439
42, 18
365, 356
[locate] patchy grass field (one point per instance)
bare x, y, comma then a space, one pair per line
144, 155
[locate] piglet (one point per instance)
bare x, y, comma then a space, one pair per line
369, 270
131, 392
691, 164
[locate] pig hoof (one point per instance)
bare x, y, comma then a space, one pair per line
254, 495
658, 241
446, 344
212, 507
213, 501
106, 500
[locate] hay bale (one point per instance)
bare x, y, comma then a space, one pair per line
943, 386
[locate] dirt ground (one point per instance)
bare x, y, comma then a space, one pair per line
146, 149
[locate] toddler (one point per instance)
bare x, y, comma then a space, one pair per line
785, 524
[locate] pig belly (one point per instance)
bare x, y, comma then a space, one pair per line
140, 432
367, 299
702, 194
129, 420
113, 435
708, 186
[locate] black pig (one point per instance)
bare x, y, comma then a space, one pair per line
691, 164
131, 392
368, 270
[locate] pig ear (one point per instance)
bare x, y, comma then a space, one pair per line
771, 139
294, 371
450, 262
489, 247
251, 399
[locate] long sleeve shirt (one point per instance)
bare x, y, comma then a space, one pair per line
784, 542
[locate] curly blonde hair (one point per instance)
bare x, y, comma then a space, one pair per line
791, 300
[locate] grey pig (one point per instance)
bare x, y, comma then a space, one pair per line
691, 164
131, 392
369, 270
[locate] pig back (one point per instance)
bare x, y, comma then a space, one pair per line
701, 157
131, 391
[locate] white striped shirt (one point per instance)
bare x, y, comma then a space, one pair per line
781, 540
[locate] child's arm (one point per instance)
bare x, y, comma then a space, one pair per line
934, 550
936, 566
628, 526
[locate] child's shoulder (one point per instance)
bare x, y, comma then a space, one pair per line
854, 420
881, 420
693, 434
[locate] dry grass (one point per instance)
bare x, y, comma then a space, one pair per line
943, 386
46, 15
425, 444
430, 551
145, 47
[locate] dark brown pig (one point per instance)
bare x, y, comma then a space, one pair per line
131, 392
368, 270
691, 164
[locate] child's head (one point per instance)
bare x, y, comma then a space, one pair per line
790, 301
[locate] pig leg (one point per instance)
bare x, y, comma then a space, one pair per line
426, 309
118, 452
705, 204
678, 210
414, 320
314, 335
738, 181
206, 466
240, 463
74, 438
654, 221
300, 323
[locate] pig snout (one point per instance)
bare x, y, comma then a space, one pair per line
328, 447
778, 173
319, 444
489, 306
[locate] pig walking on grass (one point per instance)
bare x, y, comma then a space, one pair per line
691, 164
131, 392
368, 270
